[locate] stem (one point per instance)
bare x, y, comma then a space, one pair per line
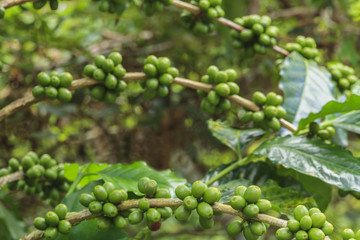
11, 178
227, 170
132, 76
85, 214
176, 3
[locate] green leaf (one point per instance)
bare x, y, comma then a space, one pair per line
81, 175
317, 189
349, 121
306, 87
352, 103
233, 138
127, 176
15, 227
285, 199
227, 189
330, 163
89, 230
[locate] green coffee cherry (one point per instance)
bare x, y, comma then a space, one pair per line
259, 98
162, 193
237, 202
190, 203
43, 79
100, 193
222, 89
65, 79
40, 223
240, 191
264, 205
284, 234
166, 79
258, 116
142, 183
182, 214
89, 70
51, 92
205, 210
51, 219
144, 204
165, 212
300, 211
305, 223
235, 228
212, 195
110, 81
198, 189
328, 228
103, 223
109, 187
301, 235
293, 225
212, 71
38, 91
120, 222
86, 199
51, 233
61, 210
182, 191
206, 223
318, 219
153, 215
64, 227
110, 210
136, 217
150, 188
95, 207
252, 194
257, 228
98, 92
347, 234
251, 210
316, 234
248, 234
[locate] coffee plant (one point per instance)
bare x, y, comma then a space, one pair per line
291, 149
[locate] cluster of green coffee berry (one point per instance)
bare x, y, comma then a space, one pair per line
257, 36
203, 22
348, 234
108, 70
215, 101
152, 6
104, 199
343, 75
199, 197
53, 86
271, 111
113, 6
247, 200
160, 75
42, 175
307, 224
306, 46
54, 4
323, 133
54, 222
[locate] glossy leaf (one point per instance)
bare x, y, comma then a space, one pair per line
14, 227
306, 86
127, 176
235, 139
332, 107
332, 164
285, 199
349, 121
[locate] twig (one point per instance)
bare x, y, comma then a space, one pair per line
85, 214
85, 82
11, 178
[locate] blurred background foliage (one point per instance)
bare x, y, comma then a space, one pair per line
166, 133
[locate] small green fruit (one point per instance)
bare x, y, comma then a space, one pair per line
182, 214
205, 210
252, 194
240, 190
293, 225
251, 210
237, 202
61, 210
50, 233
257, 228
165, 212
206, 223
301, 235
300, 211
316, 234
162, 193
284, 234
264, 205
182, 191
305, 223
100, 193
40, 223
318, 219
51, 219
152, 215
198, 189
212, 195
103, 223
95, 207
86, 199
120, 222
235, 228
136, 217
64, 227
144, 204
347, 234
110, 210
328, 228
190, 203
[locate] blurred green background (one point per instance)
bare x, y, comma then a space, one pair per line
166, 133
